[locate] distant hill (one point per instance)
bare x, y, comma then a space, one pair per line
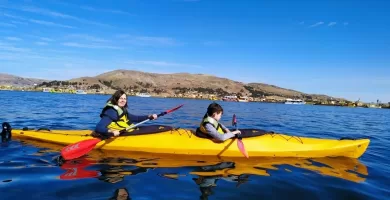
136, 80
7, 79
170, 84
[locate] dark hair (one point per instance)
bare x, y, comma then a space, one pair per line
116, 193
214, 107
115, 97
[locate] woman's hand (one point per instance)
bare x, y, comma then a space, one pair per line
115, 132
153, 117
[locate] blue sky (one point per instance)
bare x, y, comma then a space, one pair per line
338, 48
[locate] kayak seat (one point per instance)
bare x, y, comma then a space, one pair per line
245, 133
150, 129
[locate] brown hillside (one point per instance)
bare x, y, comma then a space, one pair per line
169, 84
7, 79
274, 90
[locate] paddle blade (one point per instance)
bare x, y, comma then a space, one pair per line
173, 109
234, 120
78, 149
241, 147
169, 111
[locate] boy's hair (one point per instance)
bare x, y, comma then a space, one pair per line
214, 107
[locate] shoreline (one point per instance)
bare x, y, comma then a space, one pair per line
349, 104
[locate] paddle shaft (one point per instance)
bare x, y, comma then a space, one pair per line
135, 125
235, 125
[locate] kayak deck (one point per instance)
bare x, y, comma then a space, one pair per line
185, 142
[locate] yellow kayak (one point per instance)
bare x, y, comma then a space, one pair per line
168, 140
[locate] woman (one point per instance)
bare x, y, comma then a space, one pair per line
114, 116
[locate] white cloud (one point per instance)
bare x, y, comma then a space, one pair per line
148, 40
212, 43
86, 37
41, 43
13, 16
90, 46
18, 22
159, 63
59, 15
46, 39
104, 10
6, 24
53, 65
49, 23
55, 14
332, 23
317, 24
7, 56
13, 38
9, 47
41, 22
93, 8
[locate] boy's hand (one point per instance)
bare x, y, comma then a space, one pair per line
236, 132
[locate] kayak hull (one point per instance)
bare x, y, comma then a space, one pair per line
185, 142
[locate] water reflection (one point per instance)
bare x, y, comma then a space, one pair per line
121, 194
109, 169
113, 166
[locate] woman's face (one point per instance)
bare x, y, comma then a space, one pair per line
122, 100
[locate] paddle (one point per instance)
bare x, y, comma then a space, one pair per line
240, 144
81, 148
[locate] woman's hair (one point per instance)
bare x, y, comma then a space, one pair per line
115, 97
116, 193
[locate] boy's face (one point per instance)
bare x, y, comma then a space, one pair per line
218, 116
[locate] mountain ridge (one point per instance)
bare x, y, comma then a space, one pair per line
169, 84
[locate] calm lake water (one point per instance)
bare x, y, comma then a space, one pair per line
29, 170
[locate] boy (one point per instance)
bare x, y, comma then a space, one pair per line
210, 126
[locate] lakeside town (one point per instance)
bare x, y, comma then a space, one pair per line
71, 89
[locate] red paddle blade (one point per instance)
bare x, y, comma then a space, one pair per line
78, 149
241, 147
173, 109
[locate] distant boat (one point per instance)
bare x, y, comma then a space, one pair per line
294, 101
229, 98
243, 99
374, 106
46, 90
80, 92
143, 95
